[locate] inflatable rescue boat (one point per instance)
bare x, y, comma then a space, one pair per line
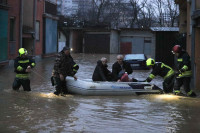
90, 88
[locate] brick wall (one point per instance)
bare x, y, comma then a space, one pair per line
14, 12
39, 18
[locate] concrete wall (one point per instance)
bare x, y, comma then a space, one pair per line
197, 57
114, 42
14, 12
197, 49
153, 48
183, 21
28, 12
70, 39
135, 36
61, 37
61, 40
196, 34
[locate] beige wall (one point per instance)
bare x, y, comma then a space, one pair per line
197, 41
183, 21
114, 42
197, 57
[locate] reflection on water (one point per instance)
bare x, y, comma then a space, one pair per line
41, 111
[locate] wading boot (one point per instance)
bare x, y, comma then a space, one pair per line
178, 93
191, 94
56, 93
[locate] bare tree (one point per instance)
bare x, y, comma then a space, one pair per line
137, 6
99, 7
129, 13
147, 17
159, 6
166, 12
172, 10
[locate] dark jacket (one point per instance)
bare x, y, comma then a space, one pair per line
116, 68
184, 64
63, 65
21, 64
160, 69
101, 73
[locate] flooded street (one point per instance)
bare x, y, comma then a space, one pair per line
40, 111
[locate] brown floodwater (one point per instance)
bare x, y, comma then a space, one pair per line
40, 111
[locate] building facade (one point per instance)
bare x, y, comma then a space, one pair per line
50, 21
31, 24
137, 41
190, 25
4, 31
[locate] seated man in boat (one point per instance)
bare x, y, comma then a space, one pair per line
121, 69
63, 68
159, 68
101, 72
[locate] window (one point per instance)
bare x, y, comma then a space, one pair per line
37, 32
12, 29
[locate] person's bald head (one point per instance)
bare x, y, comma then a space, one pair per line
120, 59
104, 60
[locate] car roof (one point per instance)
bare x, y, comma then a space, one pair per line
135, 56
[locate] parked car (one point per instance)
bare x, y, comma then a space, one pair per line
137, 61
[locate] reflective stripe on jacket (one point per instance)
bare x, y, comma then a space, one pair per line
160, 69
22, 76
21, 64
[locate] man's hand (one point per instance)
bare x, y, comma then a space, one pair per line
177, 73
28, 69
61, 77
75, 78
118, 80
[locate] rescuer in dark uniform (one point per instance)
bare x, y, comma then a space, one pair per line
64, 66
23, 65
164, 71
184, 71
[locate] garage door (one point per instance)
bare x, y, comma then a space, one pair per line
139, 45
97, 43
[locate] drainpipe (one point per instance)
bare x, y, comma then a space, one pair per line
21, 23
34, 25
193, 80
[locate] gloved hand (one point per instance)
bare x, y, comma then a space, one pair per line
141, 81
28, 69
181, 70
177, 73
61, 77
75, 78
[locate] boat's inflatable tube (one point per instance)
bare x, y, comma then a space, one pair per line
88, 87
